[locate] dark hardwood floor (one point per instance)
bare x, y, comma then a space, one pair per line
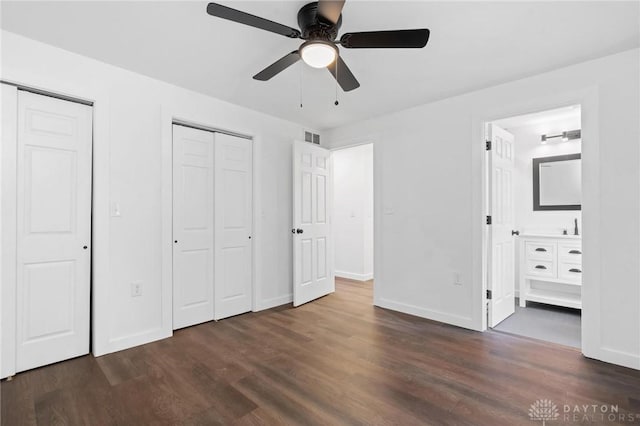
334, 361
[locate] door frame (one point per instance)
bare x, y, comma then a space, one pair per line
9, 220
378, 252
588, 101
373, 162
195, 120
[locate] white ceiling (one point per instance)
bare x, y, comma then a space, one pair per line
472, 45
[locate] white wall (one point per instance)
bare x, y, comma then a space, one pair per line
353, 212
429, 207
527, 147
428, 192
132, 158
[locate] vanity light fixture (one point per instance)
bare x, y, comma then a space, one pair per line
565, 136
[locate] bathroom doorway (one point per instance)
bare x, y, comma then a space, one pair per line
534, 224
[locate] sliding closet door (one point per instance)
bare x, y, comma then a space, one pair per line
233, 217
53, 230
193, 228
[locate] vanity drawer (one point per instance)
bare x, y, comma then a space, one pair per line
570, 271
540, 250
541, 268
570, 252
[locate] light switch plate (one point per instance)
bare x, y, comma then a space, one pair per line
136, 288
115, 210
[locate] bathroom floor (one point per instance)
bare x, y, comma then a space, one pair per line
545, 322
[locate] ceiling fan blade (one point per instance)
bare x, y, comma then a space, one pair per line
330, 9
386, 39
345, 77
278, 66
224, 12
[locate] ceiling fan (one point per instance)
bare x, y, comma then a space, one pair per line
319, 24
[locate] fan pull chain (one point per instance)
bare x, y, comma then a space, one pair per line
301, 71
336, 102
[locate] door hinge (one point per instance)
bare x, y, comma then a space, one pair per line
488, 294
488, 220
488, 145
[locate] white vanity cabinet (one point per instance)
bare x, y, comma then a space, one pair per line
550, 269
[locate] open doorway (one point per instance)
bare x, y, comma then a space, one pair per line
353, 215
534, 244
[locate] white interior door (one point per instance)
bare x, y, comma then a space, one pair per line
193, 228
501, 254
313, 274
53, 230
233, 225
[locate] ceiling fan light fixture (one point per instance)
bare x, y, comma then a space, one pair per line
318, 53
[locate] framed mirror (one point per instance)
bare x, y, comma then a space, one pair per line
557, 183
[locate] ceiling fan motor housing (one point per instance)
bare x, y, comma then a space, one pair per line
314, 26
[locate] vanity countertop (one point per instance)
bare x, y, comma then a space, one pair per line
557, 236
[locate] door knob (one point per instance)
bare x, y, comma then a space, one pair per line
515, 232
84, 247
299, 231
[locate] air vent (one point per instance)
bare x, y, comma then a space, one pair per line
312, 138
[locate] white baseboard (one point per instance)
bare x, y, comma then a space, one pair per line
457, 320
126, 342
353, 276
624, 359
274, 301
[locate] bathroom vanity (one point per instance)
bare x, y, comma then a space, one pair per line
550, 269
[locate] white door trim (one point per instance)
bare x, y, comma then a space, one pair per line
99, 95
352, 145
8, 238
198, 120
588, 99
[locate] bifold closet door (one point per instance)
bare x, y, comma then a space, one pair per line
233, 218
53, 208
193, 229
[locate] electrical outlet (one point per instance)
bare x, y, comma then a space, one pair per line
115, 210
136, 288
457, 278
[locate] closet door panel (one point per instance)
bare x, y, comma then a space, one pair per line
193, 230
53, 230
